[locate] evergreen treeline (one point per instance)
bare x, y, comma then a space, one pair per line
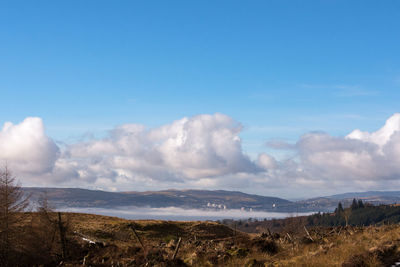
357, 214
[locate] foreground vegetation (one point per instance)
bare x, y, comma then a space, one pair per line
94, 240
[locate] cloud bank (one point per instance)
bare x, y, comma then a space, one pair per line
26, 147
179, 214
203, 151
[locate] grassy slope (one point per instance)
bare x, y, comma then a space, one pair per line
211, 244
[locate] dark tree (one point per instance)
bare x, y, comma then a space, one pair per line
12, 203
43, 234
354, 205
339, 210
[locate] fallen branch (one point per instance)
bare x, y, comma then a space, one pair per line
138, 238
86, 238
340, 230
177, 248
290, 238
308, 234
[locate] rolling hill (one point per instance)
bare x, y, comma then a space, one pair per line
218, 199
201, 199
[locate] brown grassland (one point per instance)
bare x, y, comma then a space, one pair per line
94, 240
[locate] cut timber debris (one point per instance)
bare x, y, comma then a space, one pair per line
177, 248
138, 238
308, 234
290, 238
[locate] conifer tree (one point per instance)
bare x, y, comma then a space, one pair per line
354, 205
339, 209
12, 203
360, 204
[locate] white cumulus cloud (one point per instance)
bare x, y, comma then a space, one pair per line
203, 151
26, 147
189, 149
359, 156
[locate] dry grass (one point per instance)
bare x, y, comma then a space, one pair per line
334, 250
329, 250
212, 244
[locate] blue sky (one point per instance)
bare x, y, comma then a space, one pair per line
280, 68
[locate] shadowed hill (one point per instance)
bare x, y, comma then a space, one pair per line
199, 199
219, 199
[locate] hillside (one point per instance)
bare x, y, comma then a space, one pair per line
218, 199
212, 244
93, 240
200, 199
329, 203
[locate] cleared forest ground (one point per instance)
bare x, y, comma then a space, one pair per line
95, 240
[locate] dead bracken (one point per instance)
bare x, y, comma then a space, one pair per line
94, 240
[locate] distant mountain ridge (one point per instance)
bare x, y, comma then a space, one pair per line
218, 199
329, 203
202, 199
367, 194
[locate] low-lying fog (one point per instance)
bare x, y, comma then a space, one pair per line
179, 214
